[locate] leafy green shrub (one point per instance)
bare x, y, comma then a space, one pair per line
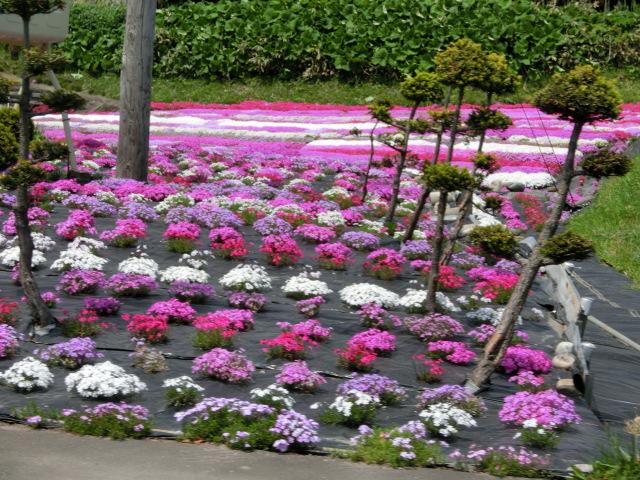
4, 90
378, 446
9, 148
10, 117
115, 420
494, 239
355, 38
61, 100
45, 150
493, 202
605, 163
567, 246
445, 177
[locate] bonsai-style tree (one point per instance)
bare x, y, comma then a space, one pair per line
443, 178
580, 96
20, 172
461, 65
421, 88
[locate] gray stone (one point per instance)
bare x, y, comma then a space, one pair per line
565, 361
526, 246
515, 187
466, 229
564, 347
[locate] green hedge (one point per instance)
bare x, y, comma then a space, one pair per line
354, 38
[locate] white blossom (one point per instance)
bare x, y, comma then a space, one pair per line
78, 259
359, 294
306, 286
27, 375
446, 419
103, 380
246, 277
184, 274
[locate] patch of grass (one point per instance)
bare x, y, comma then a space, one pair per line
329, 91
612, 223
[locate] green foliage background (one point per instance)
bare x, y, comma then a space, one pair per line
354, 39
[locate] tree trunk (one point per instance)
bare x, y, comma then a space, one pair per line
424, 195
399, 168
466, 206
135, 90
496, 347
365, 186
40, 314
434, 269
454, 126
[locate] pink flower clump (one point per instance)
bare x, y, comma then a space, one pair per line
228, 243
519, 357
548, 407
175, 311
374, 340
182, 230
454, 352
282, 250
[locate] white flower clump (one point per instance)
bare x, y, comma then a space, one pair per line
272, 394
175, 200
343, 404
529, 180
78, 259
182, 384
107, 197
196, 259
330, 219
184, 274
248, 278
306, 286
10, 256
139, 266
27, 375
85, 243
241, 204
446, 419
138, 198
415, 300
40, 242
103, 380
360, 294
485, 315
466, 301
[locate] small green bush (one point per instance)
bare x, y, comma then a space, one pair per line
61, 100
9, 148
378, 448
10, 117
495, 240
567, 246
502, 465
605, 163
45, 150
118, 421
445, 177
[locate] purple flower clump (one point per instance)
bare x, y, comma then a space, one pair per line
102, 305
548, 407
298, 376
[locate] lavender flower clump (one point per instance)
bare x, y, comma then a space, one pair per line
416, 249
8, 340
103, 305
272, 225
115, 420
360, 240
549, 408
297, 431
455, 395
130, 285
298, 377
76, 282
191, 292
248, 301
434, 327
223, 365
389, 391
71, 354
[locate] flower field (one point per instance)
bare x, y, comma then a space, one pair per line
251, 264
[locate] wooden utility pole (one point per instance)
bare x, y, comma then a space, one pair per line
135, 90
